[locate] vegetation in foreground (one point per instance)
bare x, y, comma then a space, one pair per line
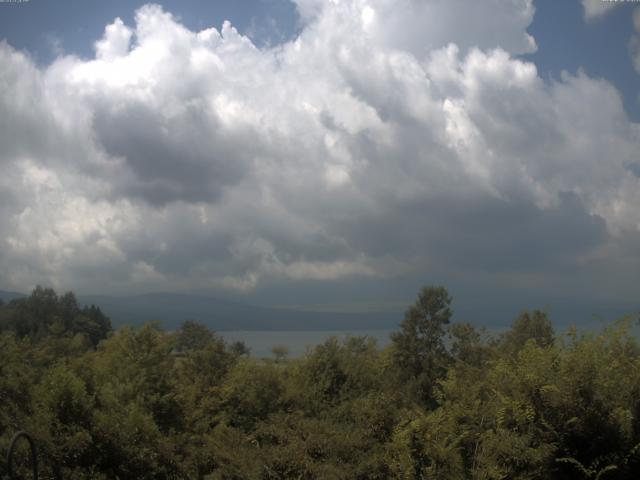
147, 404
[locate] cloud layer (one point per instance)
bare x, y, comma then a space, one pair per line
634, 44
387, 139
594, 9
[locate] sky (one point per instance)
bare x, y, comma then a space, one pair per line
323, 152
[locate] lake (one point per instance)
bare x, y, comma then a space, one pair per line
261, 342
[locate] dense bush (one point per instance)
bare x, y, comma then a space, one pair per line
147, 404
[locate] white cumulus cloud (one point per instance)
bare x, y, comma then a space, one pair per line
388, 138
594, 9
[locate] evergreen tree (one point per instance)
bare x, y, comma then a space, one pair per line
419, 350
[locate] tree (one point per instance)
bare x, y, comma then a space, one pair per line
44, 314
419, 350
280, 352
193, 336
536, 326
468, 345
67, 309
239, 349
251, 393
90, 321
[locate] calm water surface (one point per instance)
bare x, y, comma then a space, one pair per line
261, 342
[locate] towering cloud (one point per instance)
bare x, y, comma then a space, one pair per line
387, 138
594, 9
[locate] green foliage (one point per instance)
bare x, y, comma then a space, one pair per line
44, 314
534, 326
280, 352
251, 392
468, 345
419, 350
239, 349
147, 404
193, 336
334, 372
427, 445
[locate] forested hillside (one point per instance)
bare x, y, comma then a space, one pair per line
443, 401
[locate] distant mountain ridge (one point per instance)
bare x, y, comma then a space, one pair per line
171, 309
8, 296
